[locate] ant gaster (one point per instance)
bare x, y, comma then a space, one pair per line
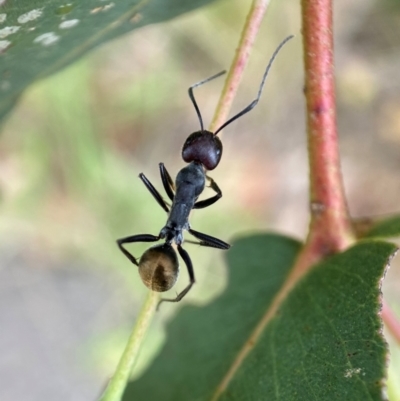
159, 265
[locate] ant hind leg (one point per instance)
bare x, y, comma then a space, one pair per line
135, 238
208, 240
189, 265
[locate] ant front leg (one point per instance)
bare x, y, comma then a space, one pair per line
186, 258
154, 192
208, 202
167, 181
135, 238
208, 240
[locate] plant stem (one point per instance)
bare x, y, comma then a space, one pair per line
118, 382
330, 227
248, 36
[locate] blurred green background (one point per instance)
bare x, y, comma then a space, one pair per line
72, 150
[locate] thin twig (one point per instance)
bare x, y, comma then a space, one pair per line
249, 33
118, 382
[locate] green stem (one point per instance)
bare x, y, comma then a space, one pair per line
119, 380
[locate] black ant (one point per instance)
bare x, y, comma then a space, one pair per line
159, 265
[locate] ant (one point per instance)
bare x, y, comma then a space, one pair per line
202, 150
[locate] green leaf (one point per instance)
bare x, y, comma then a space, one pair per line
387, 228
39, 37
324, 343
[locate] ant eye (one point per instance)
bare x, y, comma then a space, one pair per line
203, 147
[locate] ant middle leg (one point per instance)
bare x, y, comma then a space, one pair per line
209, 201
208, 240
167, 181
189, 265
154, 192
135, 238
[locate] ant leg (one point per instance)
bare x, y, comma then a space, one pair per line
135, 238
186, 258
208, 240
189, 241
213, 199
167, 181
154, 192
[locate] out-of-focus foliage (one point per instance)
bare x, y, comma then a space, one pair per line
40, 37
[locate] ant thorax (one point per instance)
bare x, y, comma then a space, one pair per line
190, 183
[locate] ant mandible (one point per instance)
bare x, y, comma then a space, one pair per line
159, 265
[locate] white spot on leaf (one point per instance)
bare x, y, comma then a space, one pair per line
8, 30
3, 17
29, 16
102, 8
351, 372
69, 23
47, 39
108, 6
4, 44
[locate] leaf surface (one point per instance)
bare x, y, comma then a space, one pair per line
39, 37
387, 228
324, 342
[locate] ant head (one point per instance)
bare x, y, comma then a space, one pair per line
202, 147
159, 267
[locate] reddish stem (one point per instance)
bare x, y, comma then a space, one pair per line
249, 33
330, 227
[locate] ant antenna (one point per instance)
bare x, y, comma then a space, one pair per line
193, 99
255, 101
